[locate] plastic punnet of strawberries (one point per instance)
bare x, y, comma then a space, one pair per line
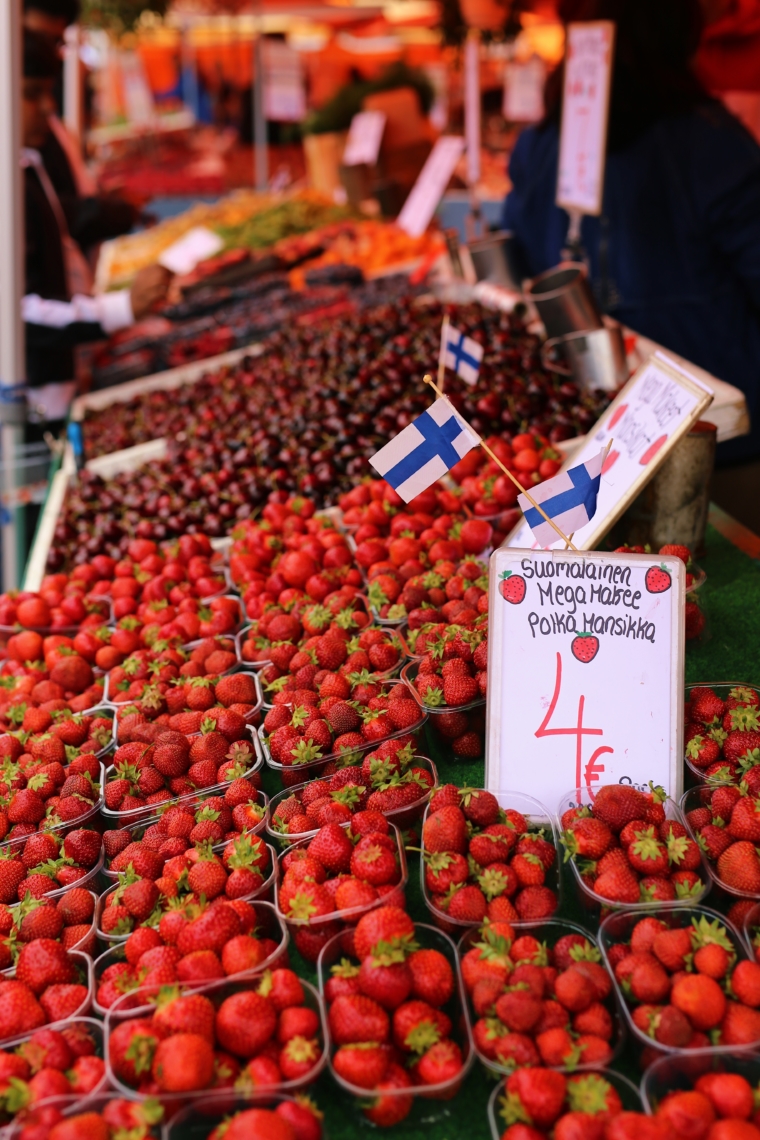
62, 603
391, 780
212, 658
480, 860
684, 980
50, 984
543, 998
50, 1063
193, 878
339, 874
720, 1102
535, 1104
722, 733
394, 1012
264, 1032
451, 683
46, 862
185, 704
98, 1118
724, 821
46, 787
626, 851
68, 920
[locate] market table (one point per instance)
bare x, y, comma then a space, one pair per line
726, 652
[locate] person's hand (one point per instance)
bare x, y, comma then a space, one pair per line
150, 286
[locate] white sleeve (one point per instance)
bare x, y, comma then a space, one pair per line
112, 311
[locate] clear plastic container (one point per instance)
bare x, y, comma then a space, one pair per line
130, 818
251, 718
349, 756
89, 880
268, 922
138, 830
590, 900
722, 690
548, 933
262, 893
86, 943
63, 829
678, 1072
699, 797
750, 927
204, 1113
402, 817
539, 818
626, 1090
350, 915
475, 712
217, 992
83, 963
617, 928
238, 624
427, 938
74, 1106
408, 674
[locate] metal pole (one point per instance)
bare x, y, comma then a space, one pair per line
12, 364
72, 83
189, 71
472, 127
260, 158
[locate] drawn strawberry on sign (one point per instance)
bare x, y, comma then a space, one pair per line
657, 579
617, 416
610, 461
512, 587
585, 647
650, 452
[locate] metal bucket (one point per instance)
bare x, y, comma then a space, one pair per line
494, 260
596, 359
673, 506
564, 299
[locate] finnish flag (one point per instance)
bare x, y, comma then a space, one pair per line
461, 354
425, 450
569, 498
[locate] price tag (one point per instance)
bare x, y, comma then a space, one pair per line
194, 246
585, 672
524, 91
364, 137
472, 106
645, 420
585, 104
430, 185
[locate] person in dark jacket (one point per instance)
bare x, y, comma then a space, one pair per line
56, 315
675, 254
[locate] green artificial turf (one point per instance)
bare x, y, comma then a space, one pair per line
728, 651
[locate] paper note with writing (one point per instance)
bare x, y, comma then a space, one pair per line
585, 104
645, 420
472, 106
585, 672
364, 137
194, 246
524, 90
430, 185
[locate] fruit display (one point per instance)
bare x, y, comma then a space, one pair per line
722, 733
397, 785
542, 998
265, 1033
194, 946
630, 847
51, 1063
395, 1009
683, 979
327, 883
69, 919
722, 821
488, 855
535, 1104
48, 864
49, 984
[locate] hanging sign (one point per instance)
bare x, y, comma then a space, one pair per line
472, 106
185, 253
524, 90
585, 104
364, 137
585, 672
430, 185
644, 422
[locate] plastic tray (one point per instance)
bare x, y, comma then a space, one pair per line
263, 892
750, 924
593, 902
217, 992
409, 672
539, 817
548, 933
63, 829
204, 1113
350, 915
130, 818
721, 689
81, 945
627, 1091
679, 1071
427, 938
401, 817
250, 717
238, 624
139, 829
88, 881
697, 797
84, 965
265, 914
617, 928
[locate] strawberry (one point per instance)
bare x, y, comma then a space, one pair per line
363, 1064
619, 804
701, 999
536, 1093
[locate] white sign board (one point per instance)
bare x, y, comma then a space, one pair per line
364, 137
430, 186
585, 103
524, 90
284, 92
645, 420
196, 245
585, 672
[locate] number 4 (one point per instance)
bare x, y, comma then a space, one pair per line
592, 769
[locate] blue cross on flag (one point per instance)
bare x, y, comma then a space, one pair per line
461, 354
569, 498
425, 450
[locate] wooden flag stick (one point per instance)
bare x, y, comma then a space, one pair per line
568, 543
442, 353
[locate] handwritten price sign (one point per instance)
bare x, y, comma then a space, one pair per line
585, 102
585, 671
